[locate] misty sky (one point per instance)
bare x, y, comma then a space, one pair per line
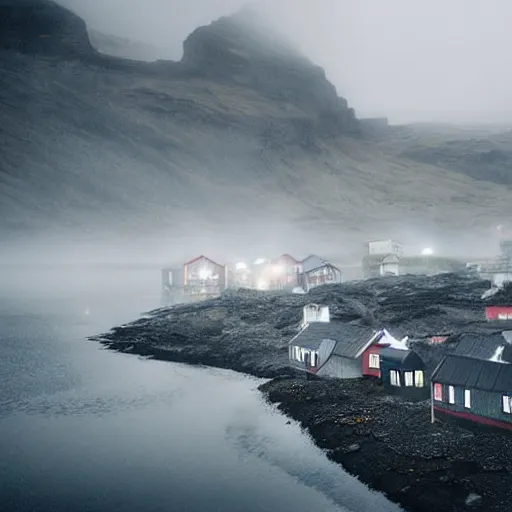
412, 60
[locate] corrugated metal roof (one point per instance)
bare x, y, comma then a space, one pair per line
350, 339
483, 346
457, 370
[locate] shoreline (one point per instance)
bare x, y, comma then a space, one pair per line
386, 442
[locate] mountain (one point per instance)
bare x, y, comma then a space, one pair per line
242, 143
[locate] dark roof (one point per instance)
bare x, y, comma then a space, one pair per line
350, 339
314, 262
474, 373
404, 358
482, 346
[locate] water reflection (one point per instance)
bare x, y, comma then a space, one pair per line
83, 429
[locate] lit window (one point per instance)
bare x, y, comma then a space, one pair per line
451, 394
409, 379
438, 392
394, 378
374, 361
313, 359
419, 378
467, 399
507, 402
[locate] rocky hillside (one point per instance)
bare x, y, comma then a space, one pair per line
249, 331
242, 133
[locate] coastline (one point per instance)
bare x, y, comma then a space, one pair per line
388, 443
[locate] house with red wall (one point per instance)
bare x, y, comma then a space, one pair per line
347, 351
498, 313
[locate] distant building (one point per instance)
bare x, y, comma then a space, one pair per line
382, 258
468, 389
280, 274
378, 265
315, 271
498, 313
198, 279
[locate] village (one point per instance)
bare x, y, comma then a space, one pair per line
403, 377
472, 381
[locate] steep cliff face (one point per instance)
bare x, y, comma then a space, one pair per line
42, 27
244, 49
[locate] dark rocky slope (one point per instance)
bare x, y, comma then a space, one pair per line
242, 127
388, 443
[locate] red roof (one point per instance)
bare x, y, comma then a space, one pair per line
201, 258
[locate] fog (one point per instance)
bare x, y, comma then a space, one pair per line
408, 60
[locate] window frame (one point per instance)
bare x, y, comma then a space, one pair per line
409, 379
451, 395
396, 379
467, 398
438, 392
416, 374
373, 356
506, 399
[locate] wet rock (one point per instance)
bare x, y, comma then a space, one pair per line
473, 499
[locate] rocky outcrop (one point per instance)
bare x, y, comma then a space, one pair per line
249, 330
42, 27
245, 49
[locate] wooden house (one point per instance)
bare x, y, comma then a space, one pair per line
493, 346
379, 265
472, 390
315, 271
333, 349
197, 279
498, 313
281, 273
403, 373
204, 278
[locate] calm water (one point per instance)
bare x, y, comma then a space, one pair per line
83, 429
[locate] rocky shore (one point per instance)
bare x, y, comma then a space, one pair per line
392, 446
388, 443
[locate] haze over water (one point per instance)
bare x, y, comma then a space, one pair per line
85, 429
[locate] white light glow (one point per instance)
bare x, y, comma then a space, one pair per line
427, 251
204, 273
241, 266
278, 269
262, 284
259, 261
